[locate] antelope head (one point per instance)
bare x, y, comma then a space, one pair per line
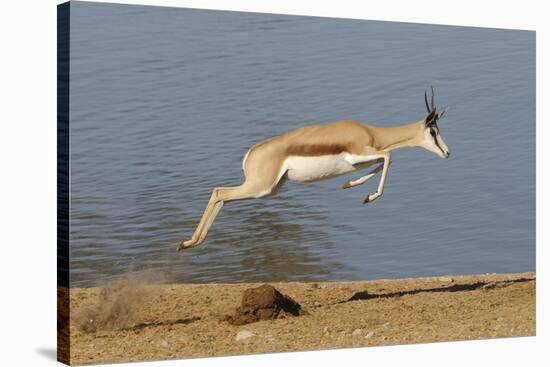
431, 135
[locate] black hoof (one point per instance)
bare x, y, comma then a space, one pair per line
366, 200
183, 247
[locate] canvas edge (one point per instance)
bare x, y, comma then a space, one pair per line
63, 204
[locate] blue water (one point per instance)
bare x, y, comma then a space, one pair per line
165, 102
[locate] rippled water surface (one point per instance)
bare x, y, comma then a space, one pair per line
165, 102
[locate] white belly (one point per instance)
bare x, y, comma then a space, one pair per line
309, 169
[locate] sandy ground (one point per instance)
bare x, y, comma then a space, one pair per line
134, 321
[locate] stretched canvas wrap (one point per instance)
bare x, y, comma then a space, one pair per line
234, 183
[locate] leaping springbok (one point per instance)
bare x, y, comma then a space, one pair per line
320, 152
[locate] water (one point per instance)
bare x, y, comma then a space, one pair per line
165, 102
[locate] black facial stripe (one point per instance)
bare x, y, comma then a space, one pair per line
437, 144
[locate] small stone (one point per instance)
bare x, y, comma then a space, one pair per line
244, 334
317, 304
445, 279
369, 334
164, 343
357, 332
326, 329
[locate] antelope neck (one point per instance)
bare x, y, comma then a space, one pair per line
389, 138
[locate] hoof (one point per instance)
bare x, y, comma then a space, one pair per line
368, 199
186, 244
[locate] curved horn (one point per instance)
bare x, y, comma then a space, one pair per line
433, 104
426, 100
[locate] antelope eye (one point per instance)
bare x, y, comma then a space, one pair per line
432, 132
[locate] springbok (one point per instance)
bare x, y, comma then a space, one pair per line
320, 152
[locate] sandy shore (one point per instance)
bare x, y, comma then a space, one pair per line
134, 321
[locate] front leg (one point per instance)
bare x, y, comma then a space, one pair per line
362, 180
387, 160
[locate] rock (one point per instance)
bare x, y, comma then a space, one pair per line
317, 304
263, 303
357, 332
370, 334
326, 330
445, 279
244, 334
164, 343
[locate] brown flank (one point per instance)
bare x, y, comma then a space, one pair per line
316, 149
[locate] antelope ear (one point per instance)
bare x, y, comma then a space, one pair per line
440, 115
430, 118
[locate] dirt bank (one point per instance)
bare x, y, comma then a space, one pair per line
134, 322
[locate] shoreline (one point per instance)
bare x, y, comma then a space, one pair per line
132, 320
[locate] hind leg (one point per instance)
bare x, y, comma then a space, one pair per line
220, 195
264, 174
